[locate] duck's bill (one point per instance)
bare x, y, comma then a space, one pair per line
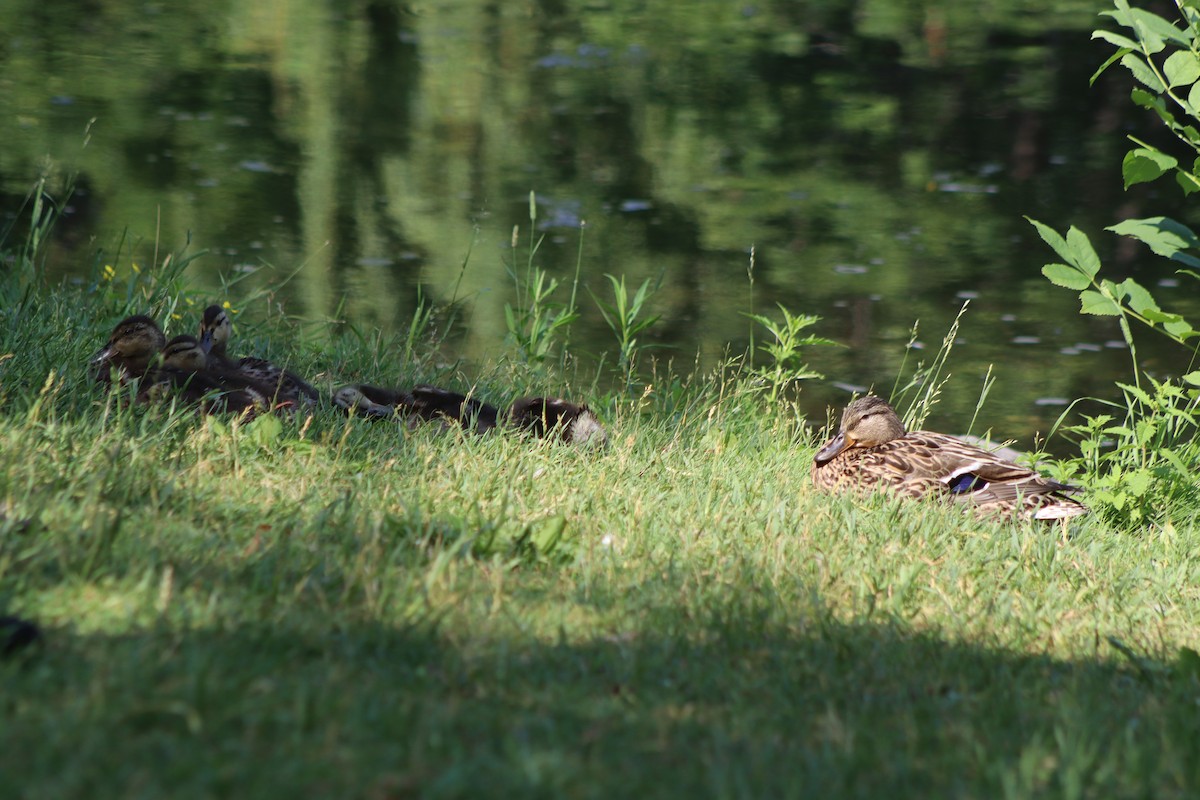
837, 445
102, 356
206, 341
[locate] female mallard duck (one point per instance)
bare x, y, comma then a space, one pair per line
215, 330
132, 348
542, 416
873, 451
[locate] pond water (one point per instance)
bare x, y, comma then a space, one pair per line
876, 157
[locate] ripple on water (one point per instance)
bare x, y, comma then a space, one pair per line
1026, 340
851, 269
252, 165
1051, 401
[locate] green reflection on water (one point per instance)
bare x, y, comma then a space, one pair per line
877, 156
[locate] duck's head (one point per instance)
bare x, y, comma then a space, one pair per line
215, 330
542, 416
184, 353
131, 347
867, 422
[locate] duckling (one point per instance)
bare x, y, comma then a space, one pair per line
184, 373
872, 450
424, 403
433, 404
132, 348
215, 330
372, 401
542, 416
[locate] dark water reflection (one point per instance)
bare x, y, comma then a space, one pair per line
878, 159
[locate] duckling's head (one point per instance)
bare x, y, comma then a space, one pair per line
215, 330
867, 422
184, 353
131, 347
356, 399
575, 424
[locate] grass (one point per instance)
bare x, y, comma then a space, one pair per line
333, 608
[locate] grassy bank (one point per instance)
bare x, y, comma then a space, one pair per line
334, 608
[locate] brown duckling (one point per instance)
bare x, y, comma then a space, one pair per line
434, 404
184, 373
540, 416
215, 330
543, 416
424, 403
132, 348
372, 401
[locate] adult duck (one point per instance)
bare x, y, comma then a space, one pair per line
872, 451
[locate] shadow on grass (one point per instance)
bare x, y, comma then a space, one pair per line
734, 700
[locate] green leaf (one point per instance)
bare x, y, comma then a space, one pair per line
1067, 277
1143, 164
1187, 182
1163, 235
1084, 255
1116, 39
1147, 100
1181, 68
1115, 57
1162, 27
264, 430
1137, 482
1174, 324
1142, 73
1137, 392
1138, 298
1193, 378
1092, 302
1052, 238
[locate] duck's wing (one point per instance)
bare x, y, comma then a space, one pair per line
210, 393
974, 476
285, 384
434, 403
